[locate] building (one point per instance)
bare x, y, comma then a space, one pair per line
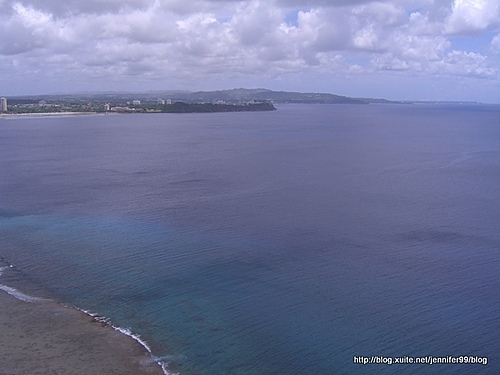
3, 105
169, 101
136, 102
160, 101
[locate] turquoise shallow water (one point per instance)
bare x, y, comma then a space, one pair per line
266, 243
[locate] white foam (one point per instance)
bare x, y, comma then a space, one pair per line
158, 360
136, 337
165, 370
20, 295
163, 362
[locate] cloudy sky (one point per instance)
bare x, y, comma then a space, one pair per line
394, 49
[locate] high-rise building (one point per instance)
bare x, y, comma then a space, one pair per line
3, 105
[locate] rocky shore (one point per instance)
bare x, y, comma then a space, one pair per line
43, 337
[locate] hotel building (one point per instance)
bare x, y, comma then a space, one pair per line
3, 105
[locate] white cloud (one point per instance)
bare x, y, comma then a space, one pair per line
254, 41
495, 44
462, 63
473, 15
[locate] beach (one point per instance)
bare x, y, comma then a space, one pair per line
10, 116
44, 337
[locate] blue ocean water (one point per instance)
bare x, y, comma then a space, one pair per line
266, 243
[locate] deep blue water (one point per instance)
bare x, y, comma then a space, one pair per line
266, 243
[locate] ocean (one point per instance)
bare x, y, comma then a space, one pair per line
308, 240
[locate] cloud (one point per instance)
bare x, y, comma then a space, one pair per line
495, 44
254, 41
25, 29
320, 3
472, 16
71, 7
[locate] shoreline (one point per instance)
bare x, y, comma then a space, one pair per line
46, 114
41, 336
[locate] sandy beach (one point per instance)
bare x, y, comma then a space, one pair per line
11, 116
44, 337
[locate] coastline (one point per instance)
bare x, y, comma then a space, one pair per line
45, 114
40, 336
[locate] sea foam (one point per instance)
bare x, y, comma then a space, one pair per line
20, 295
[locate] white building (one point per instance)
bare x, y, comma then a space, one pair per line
169, 101
160, 101
136, 102
3, 105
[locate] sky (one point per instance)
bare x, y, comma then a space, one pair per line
392, 49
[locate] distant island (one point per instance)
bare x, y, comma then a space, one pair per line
235, 100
